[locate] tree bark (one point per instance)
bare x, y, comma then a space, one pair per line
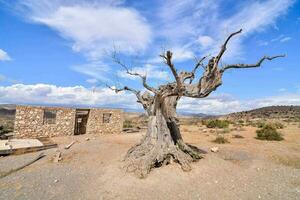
162, 143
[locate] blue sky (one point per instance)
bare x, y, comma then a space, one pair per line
58, 52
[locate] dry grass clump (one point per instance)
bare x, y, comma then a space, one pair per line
268, 132
190, 121
220, 140
127, 124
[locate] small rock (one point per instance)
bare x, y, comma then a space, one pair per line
55, 181
214, 149
57, 156
87, 139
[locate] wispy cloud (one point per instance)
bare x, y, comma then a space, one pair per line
202, 27
4, 56
96, 70
285, 39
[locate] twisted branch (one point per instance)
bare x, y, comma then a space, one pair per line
258, 64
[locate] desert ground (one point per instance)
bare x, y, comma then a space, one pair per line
245, 168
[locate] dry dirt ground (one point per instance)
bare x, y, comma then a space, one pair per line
243, 169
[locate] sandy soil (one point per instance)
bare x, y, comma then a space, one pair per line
243, 169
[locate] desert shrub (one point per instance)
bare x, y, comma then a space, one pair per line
127, 124
216, 123
4, 130
220, 140
268, 132
241, 121
260, 124
277, 125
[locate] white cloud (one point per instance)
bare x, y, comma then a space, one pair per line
205, 41
224, 104
81, 96
93, 26
4, 56
92, 81
76, 95
181, 54
282, 90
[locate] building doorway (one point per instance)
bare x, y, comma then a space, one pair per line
81, 119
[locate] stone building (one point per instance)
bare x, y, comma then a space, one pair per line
40, 121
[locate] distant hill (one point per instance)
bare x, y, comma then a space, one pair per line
268, 112
199, 115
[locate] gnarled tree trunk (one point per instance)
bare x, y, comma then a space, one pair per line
162, 143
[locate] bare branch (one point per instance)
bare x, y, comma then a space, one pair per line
143, 77
168, 61
117, 90
250, 65
198, 64
224, 46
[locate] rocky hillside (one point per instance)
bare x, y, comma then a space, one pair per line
271, 112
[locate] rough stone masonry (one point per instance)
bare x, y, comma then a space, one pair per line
40, 121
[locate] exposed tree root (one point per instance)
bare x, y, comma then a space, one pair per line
145, 156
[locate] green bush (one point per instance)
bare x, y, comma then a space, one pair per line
127, 124
241, 121
220, 140
3, 131
268, 132
216, 123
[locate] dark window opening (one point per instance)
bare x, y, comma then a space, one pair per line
106, 117
49, 116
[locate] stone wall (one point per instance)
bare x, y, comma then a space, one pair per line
96, 125
29, 122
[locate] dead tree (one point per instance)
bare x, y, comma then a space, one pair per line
163, 141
